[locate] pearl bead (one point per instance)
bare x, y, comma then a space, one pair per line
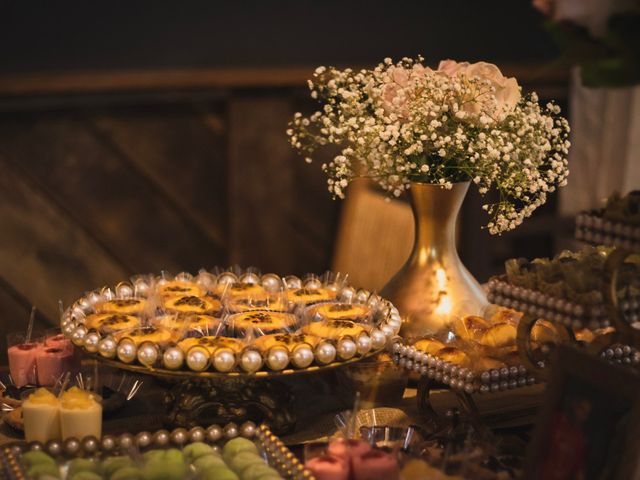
251, 361
34, 446
292, 282
90, 444
272, 283
347, 294
278, 358
312, 283
224, 360
302, 356
91, 342
124, 290
77, 337
248, 429
213, 433
363, 344
107, 347
378, 339
197, 434
179, 436
143, 439
161, 438
108, 443
387, 330
125, 441
231, 430
126, 351
148, 354
346, 349
71, 446
325, 353
197, 359
53, 447
173, 358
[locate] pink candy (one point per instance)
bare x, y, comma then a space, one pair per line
328, 468
22, 363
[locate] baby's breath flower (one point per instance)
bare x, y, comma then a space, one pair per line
403, 122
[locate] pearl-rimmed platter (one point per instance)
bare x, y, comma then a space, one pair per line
218, 324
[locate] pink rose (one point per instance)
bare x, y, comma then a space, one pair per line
397, 90
506, 94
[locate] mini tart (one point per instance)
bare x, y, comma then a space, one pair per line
287, 340
262, 321
470, 327
505, 315
355, 312
429, 345
189, 322
452, 355
544, 332
192, 304
310, 295
499, 335
239, 289
153, 334
333, 329
244, 304
179, 288
212, 343
111, 322
127, 306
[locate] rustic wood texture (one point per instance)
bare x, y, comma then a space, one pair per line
43, 253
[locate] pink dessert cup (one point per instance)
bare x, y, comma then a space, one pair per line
327, 467
374, 465
53, 362
348, 449
22, 363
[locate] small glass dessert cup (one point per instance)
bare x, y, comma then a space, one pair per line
41, 416
80, 414
22, 359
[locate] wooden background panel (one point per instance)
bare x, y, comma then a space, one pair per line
105, 193
182, 150
44, 255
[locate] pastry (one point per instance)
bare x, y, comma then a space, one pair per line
470, 327
261, 322
505, 315
261, 302
287, 340
239, 289
192, 304
179, 288
125, 306
333, 329
310, 295
544, 332
111, 322
452, 355
211, 343
499, 335
153, 334
482, 364
428, 345
190, 323
355, 312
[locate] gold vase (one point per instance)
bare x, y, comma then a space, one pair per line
434, 287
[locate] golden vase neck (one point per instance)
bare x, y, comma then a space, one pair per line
435, 212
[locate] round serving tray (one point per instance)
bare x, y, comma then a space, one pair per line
169, 360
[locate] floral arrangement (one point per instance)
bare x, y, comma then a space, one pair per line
406, 122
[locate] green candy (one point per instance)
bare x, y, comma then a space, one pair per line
112, 464
244, 460
257, 472
197, 450
219, 473
42, 469
127, 473
81, 465
169, 465
270, 476
207, 461
36, 458
86, 475
153, 455
237, 445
